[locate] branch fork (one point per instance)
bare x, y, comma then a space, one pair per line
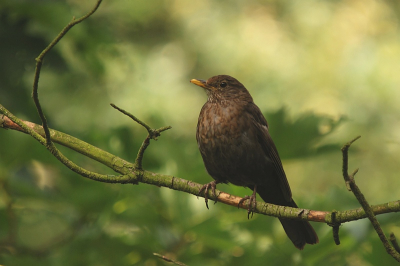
153, 134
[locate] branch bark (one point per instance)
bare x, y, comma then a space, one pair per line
134, 173
130, 174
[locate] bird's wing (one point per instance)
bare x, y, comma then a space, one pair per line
269, 149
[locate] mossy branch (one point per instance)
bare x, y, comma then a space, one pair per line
132, 175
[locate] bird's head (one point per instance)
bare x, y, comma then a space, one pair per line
223, 88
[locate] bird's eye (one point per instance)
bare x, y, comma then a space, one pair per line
223, 84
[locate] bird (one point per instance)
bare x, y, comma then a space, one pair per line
236, 147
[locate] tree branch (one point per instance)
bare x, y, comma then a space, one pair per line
50, 146
153, 134
133, 176
350, 181
39, 62
134, 173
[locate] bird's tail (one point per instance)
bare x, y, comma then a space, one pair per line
299, 232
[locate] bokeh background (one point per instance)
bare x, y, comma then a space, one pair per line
322, 72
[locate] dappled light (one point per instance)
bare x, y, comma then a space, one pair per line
322, 72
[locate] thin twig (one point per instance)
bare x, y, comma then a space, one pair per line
48, 143
345, 167
169, 260
153, 134
139, 157
39, 62
393, 240
134, 118
161, 129
349, 179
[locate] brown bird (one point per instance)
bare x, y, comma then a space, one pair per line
233, 138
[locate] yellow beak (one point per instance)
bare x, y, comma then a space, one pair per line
200, 82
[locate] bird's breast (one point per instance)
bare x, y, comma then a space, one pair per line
226, 142
218, 124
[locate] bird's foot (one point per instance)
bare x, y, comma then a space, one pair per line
252, 203
206, 187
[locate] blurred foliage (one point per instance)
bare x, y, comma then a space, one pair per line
308, 64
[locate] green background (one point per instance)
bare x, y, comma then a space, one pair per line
322, 72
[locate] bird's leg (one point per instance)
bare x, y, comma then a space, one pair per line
252, 202
213, 185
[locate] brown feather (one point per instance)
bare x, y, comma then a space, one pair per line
236, 147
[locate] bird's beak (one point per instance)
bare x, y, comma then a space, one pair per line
201, 83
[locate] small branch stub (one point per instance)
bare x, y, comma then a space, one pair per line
335, 227
393, 240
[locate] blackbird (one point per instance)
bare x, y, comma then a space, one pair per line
233, 138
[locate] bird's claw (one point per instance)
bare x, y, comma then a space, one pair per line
213, 185
252, 204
